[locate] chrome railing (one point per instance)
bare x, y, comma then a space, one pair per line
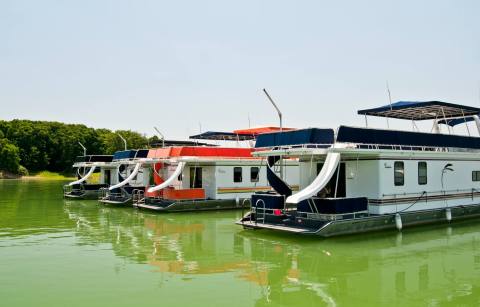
68, 189
138, 196
103, 193
471, 191
371, 146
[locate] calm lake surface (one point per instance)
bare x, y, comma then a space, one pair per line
78, 253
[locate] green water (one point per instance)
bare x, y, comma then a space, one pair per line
59, 253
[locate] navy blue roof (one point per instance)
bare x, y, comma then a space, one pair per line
295, 137
404, 138
222, 136
421, 110
130, 154
124, 154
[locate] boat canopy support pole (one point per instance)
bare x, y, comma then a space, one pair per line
477, 122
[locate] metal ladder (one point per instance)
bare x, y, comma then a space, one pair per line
138, 197
257, 218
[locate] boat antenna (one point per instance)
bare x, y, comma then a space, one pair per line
161, 135
281, 126
123, 139
276, 108
389, 96
84, 149
390, 101
248, 115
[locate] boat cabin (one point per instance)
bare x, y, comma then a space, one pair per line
130, 174
185, 178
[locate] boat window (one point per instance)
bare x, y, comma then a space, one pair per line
106, 177
254, 174
399, 173
476, 176
195, 178
237, 174
422, 173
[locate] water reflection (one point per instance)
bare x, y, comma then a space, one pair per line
190, 252
31, 207
423, 266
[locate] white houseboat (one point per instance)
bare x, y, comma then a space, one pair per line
191, 178
355, 180
132, 175
88, 185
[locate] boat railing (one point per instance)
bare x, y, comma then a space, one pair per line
138, 196
103, 193
67, 189
315, 216
73, 189
255, 210
372, 146
472, 192
121, 195
295, 146
415, 198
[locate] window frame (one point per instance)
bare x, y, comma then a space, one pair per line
196, 177
475, 176
397, 171
424, 176
235, 169
256, 178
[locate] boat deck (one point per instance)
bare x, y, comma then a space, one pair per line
259, 225
363, 224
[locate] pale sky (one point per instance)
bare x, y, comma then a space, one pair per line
175, 64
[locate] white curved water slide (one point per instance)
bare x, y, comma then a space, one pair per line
128, 179
166, 183
331, 163
90, 172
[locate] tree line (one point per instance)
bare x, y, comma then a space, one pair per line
33, 146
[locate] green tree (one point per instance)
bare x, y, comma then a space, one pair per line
9, 156
53, 146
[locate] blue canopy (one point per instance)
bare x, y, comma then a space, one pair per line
130, 154
416, 110
404, 138
295, 137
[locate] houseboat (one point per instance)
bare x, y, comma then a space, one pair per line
191, 178
355, 180
132, 174
94, 172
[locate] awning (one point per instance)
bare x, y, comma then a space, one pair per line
415, 110
296, 137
